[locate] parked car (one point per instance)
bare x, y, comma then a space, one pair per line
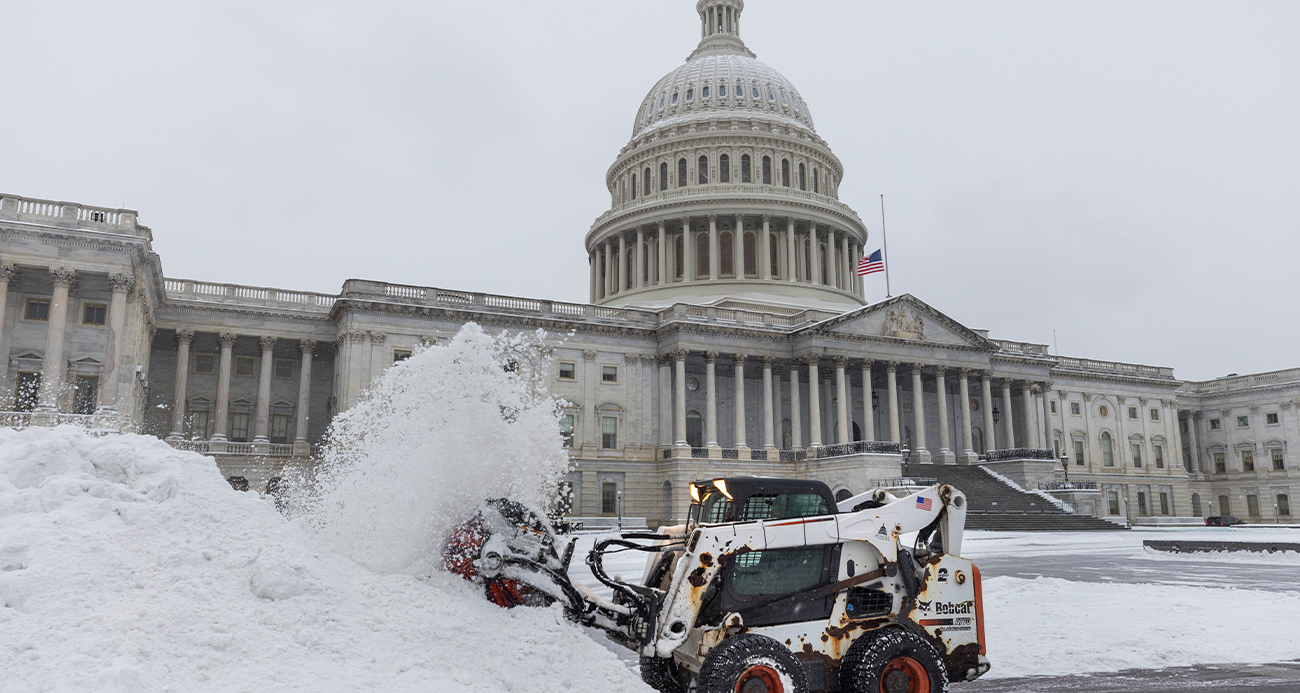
1225, 521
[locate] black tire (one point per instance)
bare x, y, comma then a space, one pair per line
751, 664
664, 675
892, 661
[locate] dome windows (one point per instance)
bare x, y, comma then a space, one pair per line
704, 170
646, 178
722, 91
745, 174
663, 176
803, 178
661, 103
724, 169
754, 92
674, 98
767, 170
704, 93
783, 101
770, 95
690, 95
681, 173
785, 172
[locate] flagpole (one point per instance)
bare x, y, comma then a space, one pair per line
885, 239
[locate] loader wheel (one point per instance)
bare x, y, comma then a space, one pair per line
751, 664
892, 661
664, 675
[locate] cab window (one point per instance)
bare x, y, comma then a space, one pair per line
780, 506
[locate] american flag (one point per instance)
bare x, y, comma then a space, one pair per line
871, 264
923, 503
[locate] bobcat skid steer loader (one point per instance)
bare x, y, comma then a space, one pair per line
770, 587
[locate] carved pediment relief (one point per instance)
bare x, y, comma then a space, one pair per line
905, 317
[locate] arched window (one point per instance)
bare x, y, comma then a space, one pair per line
771, 246
681, 173
803, 179
767, 170
1107, 450
694, 429
647, 180
745, 176
634, 186
663, 176
751, 256
678, 254
702, 255
785, 172
704, 170
724, 169
817, 188
726, 253
978, 434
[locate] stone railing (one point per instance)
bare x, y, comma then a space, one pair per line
898, 481
238, 294
1021, 347
71, 215
207, 447
1242, 382
1068, 486
729, 189
466, 300
95, 424
1115, 368
1018, 454
878, 447
729, 316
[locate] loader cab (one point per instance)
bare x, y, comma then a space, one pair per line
750, 499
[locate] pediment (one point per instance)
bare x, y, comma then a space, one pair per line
905, 318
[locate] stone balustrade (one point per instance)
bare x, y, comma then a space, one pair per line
238, 294
71, 215
730, 191
1114, 367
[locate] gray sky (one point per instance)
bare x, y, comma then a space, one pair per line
1124, 173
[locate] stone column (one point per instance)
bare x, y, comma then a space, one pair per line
264, 390
379, 358
832, 277
986, 389
307, 348
868, 414
55, 365
1009, 437
741, 441
222, 414
662, 239
842, 408
665, 395
764, 248
108, 380
846, 264
1027, 404
609, 269
679, 358
621, 272
688, 252
640, 270
1046, 423
715, 258
920, 453
941, 386
7, 274
891, 373
827, 392
711, 398
183, 340
967, 445
769, 422
814, 256
796, 416
814, 403
791, 265
738, 249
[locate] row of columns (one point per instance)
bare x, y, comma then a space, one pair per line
609, 266
772, 416
261, 425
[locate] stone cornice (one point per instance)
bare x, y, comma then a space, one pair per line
557, 325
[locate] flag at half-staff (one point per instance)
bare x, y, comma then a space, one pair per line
871, 264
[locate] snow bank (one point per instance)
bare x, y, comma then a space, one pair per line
1049, 627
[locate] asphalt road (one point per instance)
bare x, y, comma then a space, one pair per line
1234, 678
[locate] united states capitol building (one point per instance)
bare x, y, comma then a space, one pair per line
726, 333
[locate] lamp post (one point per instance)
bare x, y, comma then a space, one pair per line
1065, 465
906, 455
620, 510
997, 415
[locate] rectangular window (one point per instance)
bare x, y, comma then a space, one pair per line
1164, 503
567, 371
27, 393
1220, 463
1142, 503
609, 374
1215, 424
1158, 452
609, 433
1074, 408
400, 355
1155, 414
1133, 413
1136, 449
1078, 452
243, 365
86, 394
1271, 418
279, 429
1247, 461
1243, 422
566, 430
1225, 505
1112, 500
283, 368
94, 314
1278, 463
1252, 505
37, 309
199, 425
203, 363
239, 428
1283, 504
608, 498
1053, 406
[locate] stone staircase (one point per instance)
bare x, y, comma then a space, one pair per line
995, 505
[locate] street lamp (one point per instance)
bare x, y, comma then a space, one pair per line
906, 455
997, 415
620, 511
1065, 464
875, 400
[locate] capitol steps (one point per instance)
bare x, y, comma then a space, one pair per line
994, 505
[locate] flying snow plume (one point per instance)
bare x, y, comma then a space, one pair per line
437, 435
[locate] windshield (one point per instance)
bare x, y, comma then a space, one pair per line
715, 508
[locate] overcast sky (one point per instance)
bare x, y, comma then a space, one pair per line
1124, 174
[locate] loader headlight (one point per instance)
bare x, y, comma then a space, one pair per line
721, 485
695, 493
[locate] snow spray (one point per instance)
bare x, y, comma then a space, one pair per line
435, 436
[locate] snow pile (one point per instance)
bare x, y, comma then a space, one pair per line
441, 432
1049, 626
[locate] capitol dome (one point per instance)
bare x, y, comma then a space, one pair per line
725, 195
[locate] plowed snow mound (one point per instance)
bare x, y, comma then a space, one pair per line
127, 565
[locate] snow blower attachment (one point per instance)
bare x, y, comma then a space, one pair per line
770, 587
